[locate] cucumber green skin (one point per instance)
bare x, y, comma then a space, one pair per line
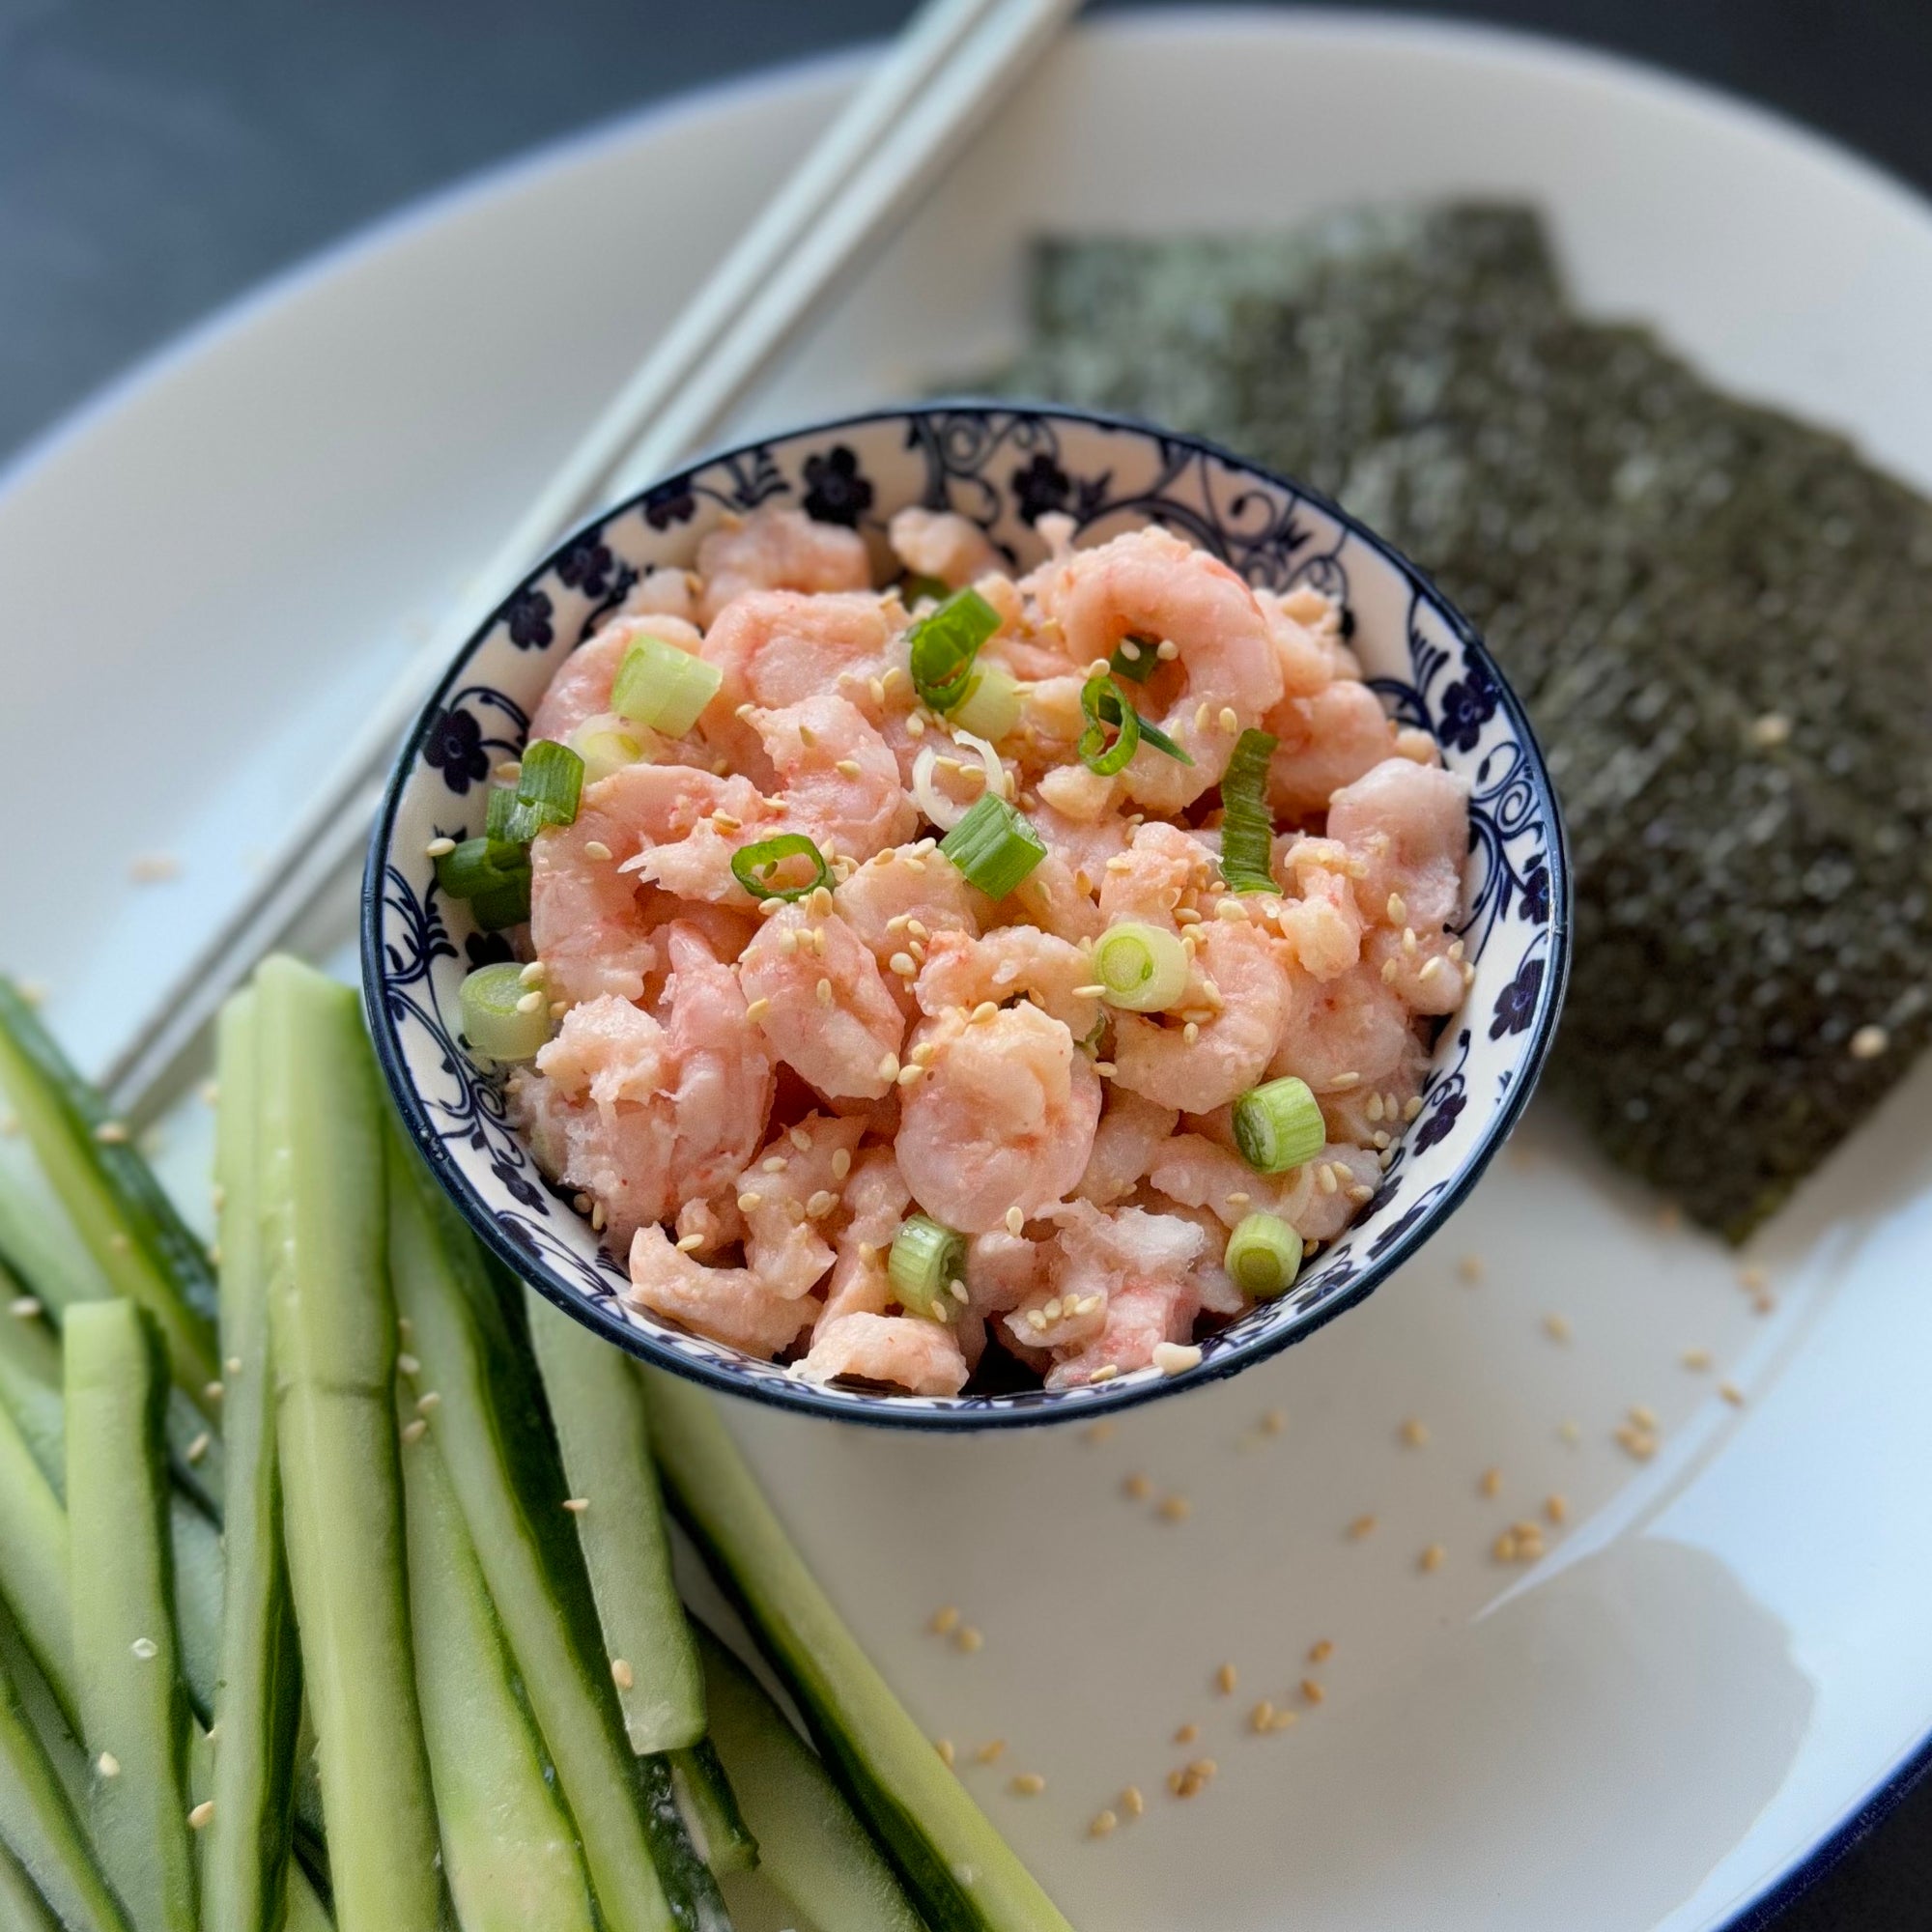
30, 1386
686, 1877
921, 1814
306, 1913
43, 1250
117, 1490
257, 1691
334, 1344
22, 1909
811, 1845
503, 1468
598, 1411
35, 1562
705, 1795
57, 1737
40, 1827
509, 1850
111, 1197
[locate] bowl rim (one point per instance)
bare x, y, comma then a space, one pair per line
884, 1411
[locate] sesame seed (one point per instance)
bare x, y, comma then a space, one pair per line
145, 1648
1869, 1041
1167, 650
990, 1752
823, 991
788, 938
1027, 1784
415, 1431
1398, 911
1131, 1800
1412, 1107
821, 1204
1639, 1443
749, 1202
595, 848
200, 1446
1414, 1433
841, 1163
1103, 1823
439, 848
1098, 1432
848, 768
621, 1674
945, 1620
1557, 1508
1732, 1394
1312, 1691
889, 1066
107, 1765
1492, 1483
1186, 1734
508, 772
1230, 909
531, 1003
23, 1307
214, 1391
1696, 1358
1432, 1558
1273, 1422
1261, 1718
1174, 1509
1225, 1680
577, 1505
943, 1746
1326, 1175
774, 1163
111, 1133
1363, 1525
1770, 730
558, 1007
1174, 1358
201, 1814
1200, 717
1643, 1416
1191, 1032
1230, 719
907, 1075
1754, 1278
1571, 1432
152, 869
967, 1638
915, 727
1015, 1220
1137, 1487
902, 964
688, 1244
1556, 1327
1092, 992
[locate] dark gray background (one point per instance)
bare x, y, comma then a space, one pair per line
156, 156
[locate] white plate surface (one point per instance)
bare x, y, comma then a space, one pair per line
1725, 1650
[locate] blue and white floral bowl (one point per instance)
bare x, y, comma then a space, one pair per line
1003, 468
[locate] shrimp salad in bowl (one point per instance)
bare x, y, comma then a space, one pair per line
931, 969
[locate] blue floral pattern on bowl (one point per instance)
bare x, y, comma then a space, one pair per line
1003, 468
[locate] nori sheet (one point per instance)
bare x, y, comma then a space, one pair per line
1661, 569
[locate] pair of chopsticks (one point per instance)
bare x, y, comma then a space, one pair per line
930, 94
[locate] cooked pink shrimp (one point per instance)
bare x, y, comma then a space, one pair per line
838, 779
580, 690
1053, 897
1195, 1172
1242, 991
1424, 969
1308, 655
1140, 1269
1326, 741
1163, 867
778, 549
942, 544
711, 1224
1226, 676
729, 1304
1131, 1132
658, 593
1351, 1031
1001, 1270
816, 992
1002, 1119
905, 1350
896, 906
587, 922
668, 825
1374, 1114
788, 1195
1010, 959
723, 1087
876, 1200
1410, 823
1323, 925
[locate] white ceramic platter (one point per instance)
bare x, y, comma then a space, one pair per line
1724, 1651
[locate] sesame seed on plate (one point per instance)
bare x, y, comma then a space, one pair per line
968, 1640
1732, 1394
944, 1620
1556, 1327
990, 1752
1432, 1557
1557, 1508
1321, 1651
1492, 1483
1225, 1680
1186, 1734
1696, 1358
1104, 1825
1414, 1433
1363, 1525
943, 1746
1137, 1487
1174, 1509
1027, 1784
111, 1133
1869, 1041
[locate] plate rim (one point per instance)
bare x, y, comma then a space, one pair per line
184, 345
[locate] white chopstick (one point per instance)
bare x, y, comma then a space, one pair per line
931, 92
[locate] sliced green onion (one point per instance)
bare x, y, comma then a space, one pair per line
1105, 709
499, 812
925, 1258
504, 905
753, 866
661, 686
916, 586
502, 1017
1152, 734
994, 846
603, 750
480, 865
1278, 1125
1263, 1257
943, 643
550, 783
1135, 657
991, 706
1143, 967
1247, 828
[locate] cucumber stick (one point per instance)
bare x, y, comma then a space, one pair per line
961, 1874
129, 1225
710, 1808
258, 1696
58, 1738
598, 1411
22, 1909
811, 1843
39, 1246
134, 1704
489, 1430
306, 1913
333, 1345
30, 1391
508, 1848
40, 1827
34, 1560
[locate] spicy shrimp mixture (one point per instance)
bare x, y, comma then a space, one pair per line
789, 1031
